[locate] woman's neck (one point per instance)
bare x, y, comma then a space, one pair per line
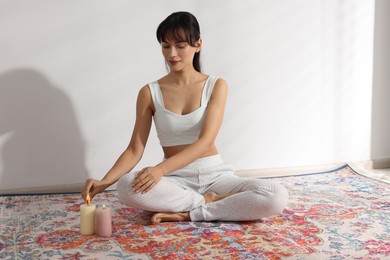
184, 77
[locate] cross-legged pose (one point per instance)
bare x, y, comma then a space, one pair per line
192, 183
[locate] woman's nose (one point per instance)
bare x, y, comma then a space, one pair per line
172, 52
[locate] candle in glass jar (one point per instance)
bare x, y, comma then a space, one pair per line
87, 217
103, 221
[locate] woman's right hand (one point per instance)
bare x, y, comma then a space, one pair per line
93, 187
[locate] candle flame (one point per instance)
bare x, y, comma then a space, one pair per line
88, 200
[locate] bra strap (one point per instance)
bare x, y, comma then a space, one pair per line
208, 89
156, 95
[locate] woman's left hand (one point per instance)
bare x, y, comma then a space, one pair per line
146, 179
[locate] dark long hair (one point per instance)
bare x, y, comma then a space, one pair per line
181, 26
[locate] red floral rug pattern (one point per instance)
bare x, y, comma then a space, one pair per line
334, 215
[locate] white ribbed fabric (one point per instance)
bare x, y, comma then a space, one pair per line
182, 190
174, 129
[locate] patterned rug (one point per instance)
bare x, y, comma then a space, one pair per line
333, 215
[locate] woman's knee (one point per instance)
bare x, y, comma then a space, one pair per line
166, 196
273, 198
124, 189
279, 200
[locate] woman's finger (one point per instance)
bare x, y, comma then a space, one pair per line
146, 187
143, 186
93, 192
137, 185
139, 173
139, 179
150, 187
87, 188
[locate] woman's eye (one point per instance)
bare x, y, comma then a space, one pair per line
167, 46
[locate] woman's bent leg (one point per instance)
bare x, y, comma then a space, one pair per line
166, 196
251, 199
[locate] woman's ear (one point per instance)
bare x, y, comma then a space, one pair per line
199, 45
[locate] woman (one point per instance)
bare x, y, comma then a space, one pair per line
192, 183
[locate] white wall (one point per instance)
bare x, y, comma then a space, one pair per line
300, 76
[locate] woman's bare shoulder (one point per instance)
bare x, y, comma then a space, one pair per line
221, 80
221, 84
144, 91
145, 96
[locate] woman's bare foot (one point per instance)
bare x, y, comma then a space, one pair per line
211, 196
165, 217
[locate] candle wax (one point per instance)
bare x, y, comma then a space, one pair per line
103, 221
87, 219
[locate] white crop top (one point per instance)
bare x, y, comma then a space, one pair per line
174, 129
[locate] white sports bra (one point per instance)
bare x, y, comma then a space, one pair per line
174, 129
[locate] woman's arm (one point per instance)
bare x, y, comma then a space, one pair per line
133, 153
150, 176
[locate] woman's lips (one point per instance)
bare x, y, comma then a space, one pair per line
173, 62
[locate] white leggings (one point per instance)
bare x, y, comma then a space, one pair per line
182, 191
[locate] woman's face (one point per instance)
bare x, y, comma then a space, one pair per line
179, 54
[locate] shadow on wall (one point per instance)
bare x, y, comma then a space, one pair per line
380, 125
42, 143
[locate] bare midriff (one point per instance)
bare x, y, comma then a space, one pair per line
170, 151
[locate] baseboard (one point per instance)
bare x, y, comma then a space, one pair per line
375, 164
288, 171
74, 187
